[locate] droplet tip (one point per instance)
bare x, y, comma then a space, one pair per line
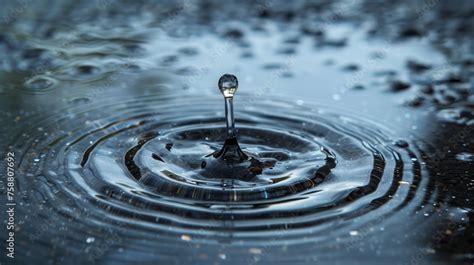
228, 85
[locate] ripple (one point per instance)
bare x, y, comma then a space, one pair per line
40, 83
189, 51
140, 168
79, 100
87, 70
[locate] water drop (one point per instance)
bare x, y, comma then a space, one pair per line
168, 146
231, 151
450, 115
354, 233
233, 33
398, 85
187, 71
188, 51
157, 157
358, 87
466, 157
402, 143
185, 238
255, 251
351, 68
228, 85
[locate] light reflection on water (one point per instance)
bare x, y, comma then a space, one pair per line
105, 87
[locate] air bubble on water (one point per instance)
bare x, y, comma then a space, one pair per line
464, 156
90, 240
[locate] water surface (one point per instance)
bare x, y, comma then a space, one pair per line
364, 125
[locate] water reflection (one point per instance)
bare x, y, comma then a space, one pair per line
81, 78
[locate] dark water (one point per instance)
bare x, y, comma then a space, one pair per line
358, 117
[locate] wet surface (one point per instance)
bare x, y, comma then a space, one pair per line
360, 115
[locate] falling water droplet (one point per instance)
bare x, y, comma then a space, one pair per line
231, 151
228, 85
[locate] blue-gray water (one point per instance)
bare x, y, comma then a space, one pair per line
361, 111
